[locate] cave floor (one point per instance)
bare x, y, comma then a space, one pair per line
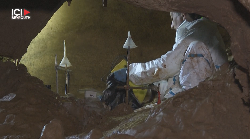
214, 109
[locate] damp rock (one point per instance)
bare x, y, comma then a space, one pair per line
10, 119
53, 130
94, 134
8, 97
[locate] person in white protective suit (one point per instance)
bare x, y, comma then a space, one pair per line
198, 52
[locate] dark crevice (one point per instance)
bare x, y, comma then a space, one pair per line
242, 69
245, 99
242, 11
246, 102
236, 81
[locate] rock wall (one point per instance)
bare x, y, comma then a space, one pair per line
16, 35
94, 38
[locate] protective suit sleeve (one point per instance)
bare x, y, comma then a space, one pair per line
162, 68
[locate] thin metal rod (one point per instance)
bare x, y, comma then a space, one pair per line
68, 78
66, 84
104, 3
127, 85
17, 64
56, 74
56, 81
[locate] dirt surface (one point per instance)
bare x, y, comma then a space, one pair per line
26, 106
31, 107
214, 109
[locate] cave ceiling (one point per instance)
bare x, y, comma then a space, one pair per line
233, 15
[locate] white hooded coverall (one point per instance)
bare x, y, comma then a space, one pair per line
198, 52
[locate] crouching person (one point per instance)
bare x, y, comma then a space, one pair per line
197, 54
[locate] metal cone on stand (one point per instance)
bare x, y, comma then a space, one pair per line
129, 42
65, 61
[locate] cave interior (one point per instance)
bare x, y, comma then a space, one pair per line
95, 32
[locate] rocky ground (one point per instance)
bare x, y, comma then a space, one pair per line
213, 110
26, 106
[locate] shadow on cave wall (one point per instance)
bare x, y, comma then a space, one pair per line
242, 11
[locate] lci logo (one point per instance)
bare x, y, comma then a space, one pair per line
20, 14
